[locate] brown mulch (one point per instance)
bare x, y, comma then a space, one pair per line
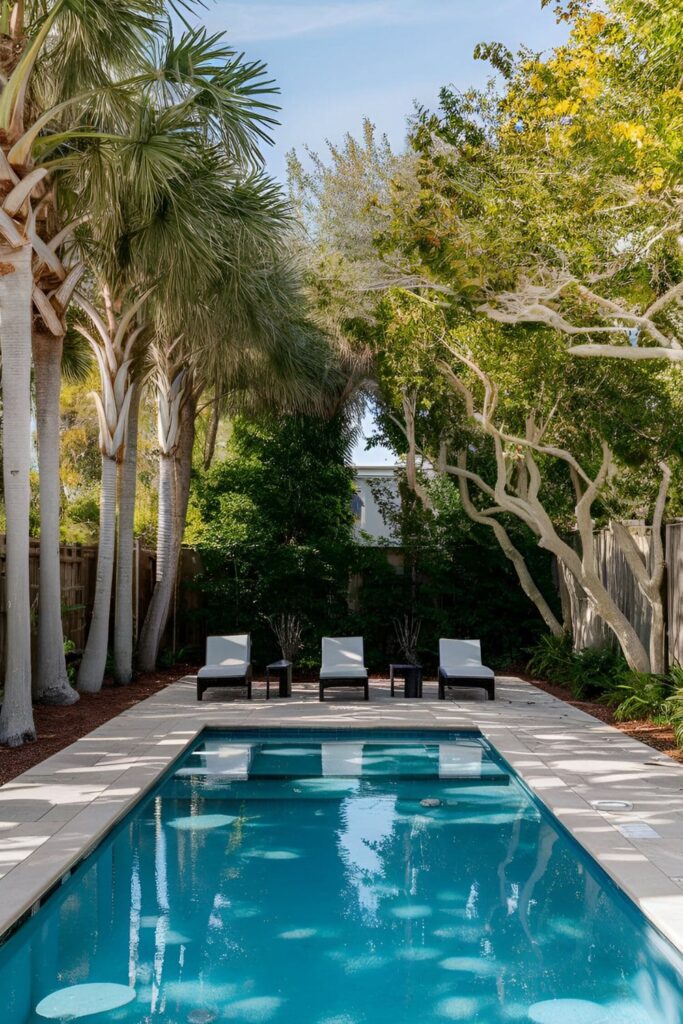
58, 727
660, 737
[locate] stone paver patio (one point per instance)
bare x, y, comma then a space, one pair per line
57, 811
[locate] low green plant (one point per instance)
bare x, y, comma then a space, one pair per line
590, 673
71, 669
675, 676
639, 696
595, 672
674, 711
552, 658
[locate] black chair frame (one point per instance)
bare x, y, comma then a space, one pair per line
466, 682
235, 682
356, 681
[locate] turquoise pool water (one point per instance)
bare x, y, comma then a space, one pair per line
304, 880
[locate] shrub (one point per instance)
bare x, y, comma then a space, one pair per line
639, 696
552, 658
273, 525
675, 715
590, 673
596, 671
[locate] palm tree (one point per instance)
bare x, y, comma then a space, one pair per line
257, 351
55, 52
113, 343
167, 188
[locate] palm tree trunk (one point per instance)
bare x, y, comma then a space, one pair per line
157, 612
183, 470
51, 683
212, 434
91, 673
16, 288
174, 491
123, 613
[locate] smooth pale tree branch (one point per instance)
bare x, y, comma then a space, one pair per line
674, 355
522, 500
673, 294
508, 548
409, 412
537, 303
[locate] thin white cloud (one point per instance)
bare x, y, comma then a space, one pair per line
256, 21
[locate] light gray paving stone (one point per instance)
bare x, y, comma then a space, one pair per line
58, 810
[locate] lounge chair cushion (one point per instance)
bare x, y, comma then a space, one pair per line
344, 671
343, 658
462, 658
227, 657
467, 671
231, 668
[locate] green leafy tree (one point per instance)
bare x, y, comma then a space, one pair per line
273, 524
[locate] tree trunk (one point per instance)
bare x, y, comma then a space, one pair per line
515, 556
212, 434
183, 470
91, 673
51, 683
657, 640
157, 612
16, 289
123, 612
174, 490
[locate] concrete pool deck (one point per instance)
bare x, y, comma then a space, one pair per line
53, 814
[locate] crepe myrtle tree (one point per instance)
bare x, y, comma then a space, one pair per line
576, 308
515, 491
484, 517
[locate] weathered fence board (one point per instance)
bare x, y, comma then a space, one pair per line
78, 567
588, 628
674, 590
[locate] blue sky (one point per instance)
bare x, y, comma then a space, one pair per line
338, 61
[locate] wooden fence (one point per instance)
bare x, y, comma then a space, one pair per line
78, 567
588, 628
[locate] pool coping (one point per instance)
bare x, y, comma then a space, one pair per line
56, 813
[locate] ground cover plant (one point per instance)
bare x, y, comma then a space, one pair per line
602, 675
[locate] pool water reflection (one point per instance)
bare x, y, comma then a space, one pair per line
383, 880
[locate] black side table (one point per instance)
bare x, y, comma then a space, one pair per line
283, 671
411, 674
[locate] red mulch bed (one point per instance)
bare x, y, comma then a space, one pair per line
661, 737
58, 727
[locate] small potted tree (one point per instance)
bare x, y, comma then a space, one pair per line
407, 633
287, 628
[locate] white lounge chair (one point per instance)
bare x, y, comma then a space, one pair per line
228, 663
343, 664
460, 665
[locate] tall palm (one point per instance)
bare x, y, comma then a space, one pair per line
168, 186
255, 349
50, 683
67, 44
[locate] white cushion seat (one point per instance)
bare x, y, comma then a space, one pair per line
468, 671
343, 663
343, 672
461, 660
224, 670
228, 663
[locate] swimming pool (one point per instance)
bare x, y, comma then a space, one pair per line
304, 878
